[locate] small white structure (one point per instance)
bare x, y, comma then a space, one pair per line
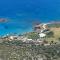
42, 35
13, 37
29, 39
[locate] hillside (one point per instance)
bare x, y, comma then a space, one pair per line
29, 52
55, 28
56, 32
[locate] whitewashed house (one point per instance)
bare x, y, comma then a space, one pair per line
42, 35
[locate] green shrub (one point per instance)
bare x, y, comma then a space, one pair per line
33, 35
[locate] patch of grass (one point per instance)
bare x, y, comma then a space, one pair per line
56, 35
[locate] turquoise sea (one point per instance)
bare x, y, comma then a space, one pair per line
22, 13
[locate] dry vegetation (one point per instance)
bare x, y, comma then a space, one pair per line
29, 52
56, 32
56, 36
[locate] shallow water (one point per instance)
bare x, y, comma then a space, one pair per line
22, 13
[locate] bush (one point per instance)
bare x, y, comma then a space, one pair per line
33, 35
50, 34
14, 42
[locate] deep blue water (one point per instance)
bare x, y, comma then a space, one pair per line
22, 13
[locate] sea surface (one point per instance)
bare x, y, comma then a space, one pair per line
21, 14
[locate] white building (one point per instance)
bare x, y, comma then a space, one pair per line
13, 37
42, 35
